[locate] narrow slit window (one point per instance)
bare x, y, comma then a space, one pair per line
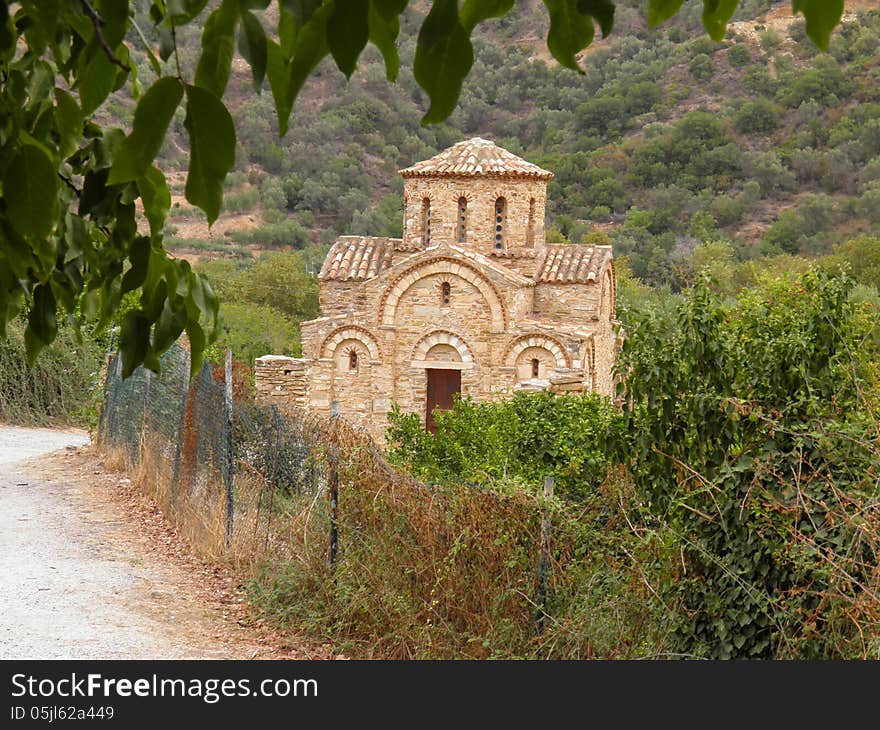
530, 229
536, 367
426, 221
462, 220
353, 360
445, 293
500, 215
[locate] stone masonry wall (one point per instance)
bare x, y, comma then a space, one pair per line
481, 194
281, 380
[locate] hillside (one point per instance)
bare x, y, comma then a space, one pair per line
667, 140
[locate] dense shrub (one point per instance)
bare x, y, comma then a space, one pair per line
521, 440
757, 117
746, 430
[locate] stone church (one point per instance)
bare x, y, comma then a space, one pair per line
471, 300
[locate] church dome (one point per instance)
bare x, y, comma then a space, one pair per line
476, 157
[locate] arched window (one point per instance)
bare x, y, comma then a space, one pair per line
426, 221
353, 360
530, 229
462, 220
500, 215
536, 367
445, 293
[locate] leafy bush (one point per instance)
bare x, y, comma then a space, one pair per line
702, 67
757, 117
522, 440
738, 55
288, 232
745, 431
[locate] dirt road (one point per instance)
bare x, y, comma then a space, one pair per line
89, 569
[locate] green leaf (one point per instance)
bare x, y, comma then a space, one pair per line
570, 31
311, 46
68, 121
383, 33
444, 56
134, 340
156, 198
166, 43
148, 49
181, 12
7, 37
602, 11
170, 326
151, 119
476, 11
95, 81
45, 16
197, 343
301, 10
347, 33
822, 18
252, 46
30, 190
114, 20
659, 11
139, 257
218, 47
716, 16
212, 149
42, 321
277, 72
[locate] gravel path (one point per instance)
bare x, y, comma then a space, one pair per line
17, 444
77, 579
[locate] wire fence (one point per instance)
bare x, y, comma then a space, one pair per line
340, 540
221, 467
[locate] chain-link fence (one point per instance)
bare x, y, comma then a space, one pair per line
338, 539
221, 467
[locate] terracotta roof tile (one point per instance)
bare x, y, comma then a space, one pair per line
357, 258
476, 157
573, 264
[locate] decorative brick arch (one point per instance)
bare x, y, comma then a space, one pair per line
443, 265
545, 342
350, 332
441, 337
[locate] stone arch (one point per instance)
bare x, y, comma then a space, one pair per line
443, 265
524, 342
350, 332
441, 337
609, 289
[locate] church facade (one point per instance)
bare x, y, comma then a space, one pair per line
470, 301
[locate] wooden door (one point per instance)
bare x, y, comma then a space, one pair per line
442, 386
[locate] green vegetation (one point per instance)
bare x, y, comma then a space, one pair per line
70, 240
62, 388
521, 440
264, 302
667, 162
745, 448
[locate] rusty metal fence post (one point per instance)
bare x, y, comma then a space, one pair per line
333, 485
544, 565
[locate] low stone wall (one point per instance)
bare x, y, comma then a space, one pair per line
281, 379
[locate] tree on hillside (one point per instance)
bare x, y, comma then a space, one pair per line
69, 242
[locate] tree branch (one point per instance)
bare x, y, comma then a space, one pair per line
98, 23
